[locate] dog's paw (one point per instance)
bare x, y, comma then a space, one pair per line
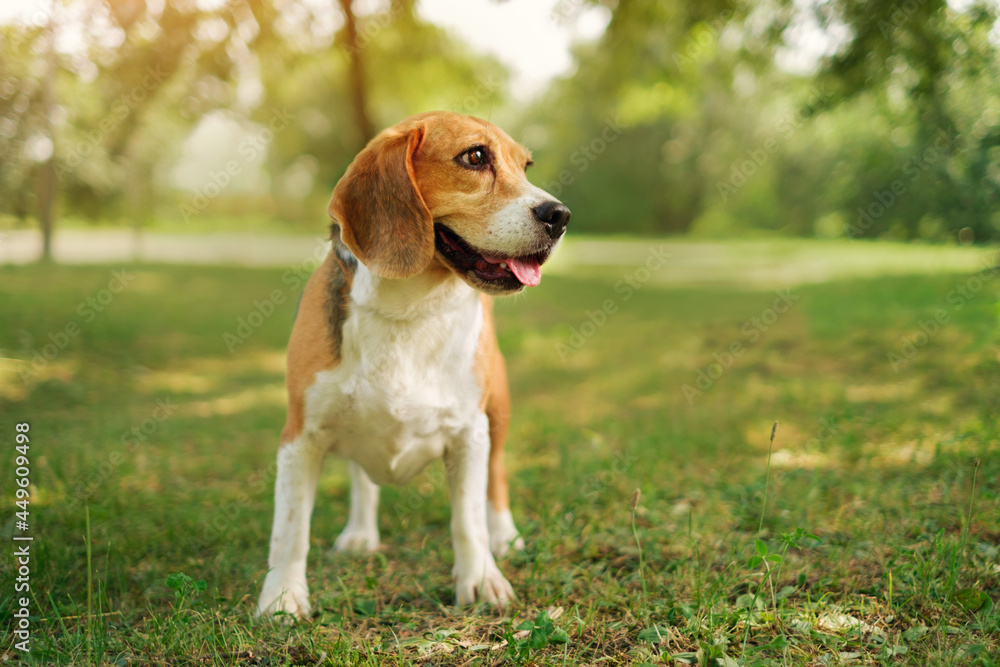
489, 586
290, 597
356, 541
504, 535
501, 544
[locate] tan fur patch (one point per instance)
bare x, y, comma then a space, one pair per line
316, 336
491, 370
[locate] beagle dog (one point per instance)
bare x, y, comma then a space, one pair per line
393, 359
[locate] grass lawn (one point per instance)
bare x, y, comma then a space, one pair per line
871, 538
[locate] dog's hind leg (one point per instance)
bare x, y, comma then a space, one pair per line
503, 533
361, 532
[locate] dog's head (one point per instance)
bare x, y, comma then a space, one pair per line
443, 188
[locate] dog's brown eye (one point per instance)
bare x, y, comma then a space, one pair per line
477, 156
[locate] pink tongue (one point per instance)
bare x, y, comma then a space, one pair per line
528, 271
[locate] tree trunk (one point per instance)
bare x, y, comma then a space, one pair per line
47, 185
359, 93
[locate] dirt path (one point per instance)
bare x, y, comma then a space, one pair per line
74, 246
778, 263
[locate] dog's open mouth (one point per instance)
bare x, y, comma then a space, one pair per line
507, 273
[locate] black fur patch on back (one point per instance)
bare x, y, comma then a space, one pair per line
339, 287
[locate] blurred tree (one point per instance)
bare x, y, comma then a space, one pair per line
922, 61
708, 117
140, 79
719, 133
419, 67
148, 75
359, 95
656, 106
22, 126
47, 186
110, 132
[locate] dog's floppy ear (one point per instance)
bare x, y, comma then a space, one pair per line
383, 218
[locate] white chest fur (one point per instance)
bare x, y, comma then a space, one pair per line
405, 389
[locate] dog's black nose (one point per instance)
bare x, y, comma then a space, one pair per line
554, 216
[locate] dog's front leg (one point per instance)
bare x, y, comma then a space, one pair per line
285, 587
477, 576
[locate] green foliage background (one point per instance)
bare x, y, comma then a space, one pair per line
700, 118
